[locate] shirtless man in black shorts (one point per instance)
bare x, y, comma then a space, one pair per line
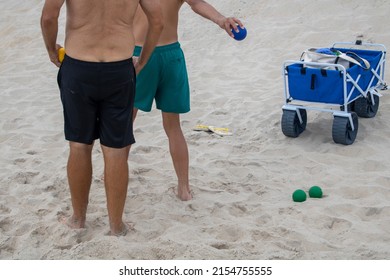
97, 84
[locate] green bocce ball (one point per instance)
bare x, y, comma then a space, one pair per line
299, 196
315, 192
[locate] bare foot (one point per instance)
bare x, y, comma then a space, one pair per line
72, 222
184, 193
126, 227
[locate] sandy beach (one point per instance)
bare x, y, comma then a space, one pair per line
242, 184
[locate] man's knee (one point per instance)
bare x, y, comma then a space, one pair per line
171, 121
116, 153
80, 147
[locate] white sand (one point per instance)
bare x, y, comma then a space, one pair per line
243, 183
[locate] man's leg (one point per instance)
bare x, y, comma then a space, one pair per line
179, 153
79, 177
116, 178
135, 111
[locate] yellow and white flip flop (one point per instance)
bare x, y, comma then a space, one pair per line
221, 131
201, 127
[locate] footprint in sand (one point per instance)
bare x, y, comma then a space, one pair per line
25, 177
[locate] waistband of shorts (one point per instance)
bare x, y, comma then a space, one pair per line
159, 49
72, 60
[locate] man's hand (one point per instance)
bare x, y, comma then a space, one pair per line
54, 58
137, 66
229, 23
206, 10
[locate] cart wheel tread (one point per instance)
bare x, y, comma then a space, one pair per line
342, 132
291, 125
365, 108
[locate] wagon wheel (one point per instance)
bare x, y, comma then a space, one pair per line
342, 132
365, 108
291, 126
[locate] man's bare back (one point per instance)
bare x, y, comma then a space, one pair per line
100, 30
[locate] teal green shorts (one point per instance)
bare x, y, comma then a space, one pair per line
163, 79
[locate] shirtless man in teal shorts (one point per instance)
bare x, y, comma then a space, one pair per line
164, 78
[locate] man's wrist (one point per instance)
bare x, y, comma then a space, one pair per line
221, 21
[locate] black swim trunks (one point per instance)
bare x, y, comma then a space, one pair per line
98, 99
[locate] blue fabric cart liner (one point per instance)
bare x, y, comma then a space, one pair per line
327, 86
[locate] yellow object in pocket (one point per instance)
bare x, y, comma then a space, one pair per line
61, 54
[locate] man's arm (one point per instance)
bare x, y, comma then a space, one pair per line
207, 11
49, 26
154, 15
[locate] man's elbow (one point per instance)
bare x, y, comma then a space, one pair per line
196, 5
48, 20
